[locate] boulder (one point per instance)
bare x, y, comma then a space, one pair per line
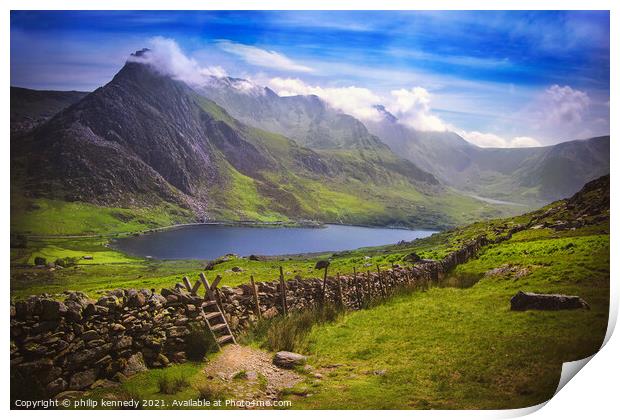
136, 299
56, 387
82, 380
270, 313
524, 301
288, 360
135, 364
90, 335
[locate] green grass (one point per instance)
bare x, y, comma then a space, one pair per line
452, 348
54, 217
180, 382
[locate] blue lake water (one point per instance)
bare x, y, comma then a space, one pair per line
211, 241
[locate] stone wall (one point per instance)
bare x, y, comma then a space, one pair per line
81, 343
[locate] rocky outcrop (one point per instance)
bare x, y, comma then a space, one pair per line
524, 301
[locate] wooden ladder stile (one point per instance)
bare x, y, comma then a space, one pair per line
213, 316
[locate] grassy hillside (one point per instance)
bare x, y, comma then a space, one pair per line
452, 348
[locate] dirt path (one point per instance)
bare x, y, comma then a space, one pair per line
249, 374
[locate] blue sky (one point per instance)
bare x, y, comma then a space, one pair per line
498, 78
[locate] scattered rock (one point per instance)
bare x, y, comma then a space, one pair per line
288, 360
524, 301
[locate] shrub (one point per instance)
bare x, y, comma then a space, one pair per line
40, 261
169, 384
66, 262
210, 391
289, 332
199, 342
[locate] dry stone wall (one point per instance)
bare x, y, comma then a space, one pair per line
81, 343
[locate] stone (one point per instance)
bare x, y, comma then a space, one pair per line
87, 257
103, 383
123, 342
56, 387
82, 380
524, 301
236, 269
135, 364
52, 310
90, 335
136, 300
270, 313
69, 395
288, 360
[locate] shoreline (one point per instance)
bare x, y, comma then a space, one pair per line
244, 223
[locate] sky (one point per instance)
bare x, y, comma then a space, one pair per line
498, 78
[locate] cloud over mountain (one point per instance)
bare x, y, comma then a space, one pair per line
166, 56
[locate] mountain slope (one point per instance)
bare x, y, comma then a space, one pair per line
531, 176
30, 108
145, 139
304, 118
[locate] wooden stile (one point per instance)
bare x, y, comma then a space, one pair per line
187, 284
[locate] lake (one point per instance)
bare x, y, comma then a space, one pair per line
212, 241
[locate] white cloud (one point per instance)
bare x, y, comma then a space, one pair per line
493, 140
166, 56
262, 58
412, 107
524, 141
561, 113
353, 100
563, 105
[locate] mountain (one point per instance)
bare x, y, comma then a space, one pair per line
30, 108
304, 118
531, 176
145, 139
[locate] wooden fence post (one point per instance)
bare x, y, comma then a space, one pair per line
324, 286
255, 292
283, 292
